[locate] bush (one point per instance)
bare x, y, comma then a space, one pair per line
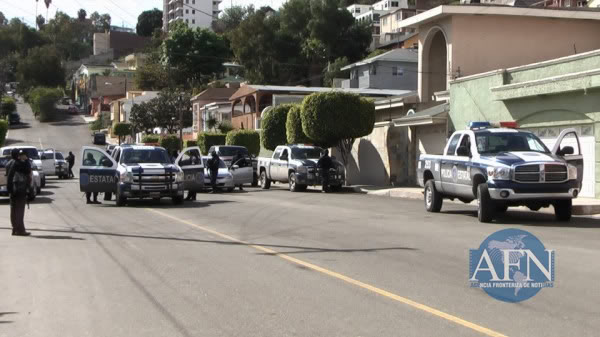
171, 143
42, 101
151, 139
7, 106
273, 131
122, 130
208, 139
247, 138
190, 143
101, 122
293, 127
224, 127
3, 131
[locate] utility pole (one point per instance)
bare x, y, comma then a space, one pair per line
181, 119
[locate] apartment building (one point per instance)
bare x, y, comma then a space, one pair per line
195, 13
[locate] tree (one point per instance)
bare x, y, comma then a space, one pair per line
40, 21
122, 130
149, 21
166, 107
250, 139
140, 118
3, 20
101, 22
41, 68
231, 18
293, 126
334, 70
337, 118
197, 54
71, 37
81, 14
273, 132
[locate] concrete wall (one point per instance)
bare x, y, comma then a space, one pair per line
101, 43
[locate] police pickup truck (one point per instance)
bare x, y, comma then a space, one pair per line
139, 172
503, 167
296, 165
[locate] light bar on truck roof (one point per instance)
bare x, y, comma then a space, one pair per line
487, 125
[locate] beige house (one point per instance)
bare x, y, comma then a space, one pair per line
389, 24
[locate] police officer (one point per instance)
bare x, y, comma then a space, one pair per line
18, 185
71, 162
90, 161
213, 167
324, 164
195, 160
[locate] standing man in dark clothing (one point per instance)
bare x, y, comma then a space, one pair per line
324, 164
90, 161
71, 161
213, 167
18, 184
195, 160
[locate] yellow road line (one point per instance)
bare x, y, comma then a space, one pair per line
344, 278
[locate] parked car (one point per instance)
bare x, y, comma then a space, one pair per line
33, 154
14, 119
73, 109
503, 167
35, 181
99, 138
296, 165
54, 164
110, 148
224, 177
227, 152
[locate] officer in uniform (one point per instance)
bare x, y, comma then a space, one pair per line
90, 161
213, 167
324, 164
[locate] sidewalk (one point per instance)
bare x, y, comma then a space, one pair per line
581, 206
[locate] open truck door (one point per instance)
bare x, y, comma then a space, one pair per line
98, 171
190, 161
569, 148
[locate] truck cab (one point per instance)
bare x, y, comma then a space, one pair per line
503, 167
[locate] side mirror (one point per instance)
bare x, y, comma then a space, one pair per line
234, 167
566, 150
462, 151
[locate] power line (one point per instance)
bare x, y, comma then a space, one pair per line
124, 11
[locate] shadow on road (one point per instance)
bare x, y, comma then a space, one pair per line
7, 313
531, 218
163, 204
46, 193
10, 141
42, 200
297, 249
56, 237
22, 125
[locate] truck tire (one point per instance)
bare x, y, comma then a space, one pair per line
43, 181
178, 200
433, 198
486, 207
563, 209
265, 183
336, 188
121, 200
295, 187
501, 208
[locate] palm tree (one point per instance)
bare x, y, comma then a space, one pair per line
36, 10
48, 2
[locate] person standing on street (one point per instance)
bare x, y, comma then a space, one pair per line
71, 161
194, 160
18, 183
90, 161
324, 164
213, 167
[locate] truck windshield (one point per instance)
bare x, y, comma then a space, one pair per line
59, 156
31, 153
492, 142
145, 156
306, 152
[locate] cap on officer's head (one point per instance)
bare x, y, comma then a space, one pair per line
14, 153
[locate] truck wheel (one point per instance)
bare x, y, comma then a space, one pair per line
485, 211
336, 188
178, 200
121, 200
265, 183
500, 208
230, 189
563, 209
433, 198
292, 182
43, 182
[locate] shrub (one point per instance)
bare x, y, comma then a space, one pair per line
171, 143
43, 100
293, 127
247, 138
190, 143
208, 139
151, 139
122, 130
3, 131
224, 127
7, 106
273, 131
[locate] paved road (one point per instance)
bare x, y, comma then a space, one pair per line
272, 263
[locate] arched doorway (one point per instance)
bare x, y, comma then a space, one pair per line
435, 72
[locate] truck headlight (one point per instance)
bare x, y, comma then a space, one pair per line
498, 173
572, 172
302, 169
179, 177
126, 177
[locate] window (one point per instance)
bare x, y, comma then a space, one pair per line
187, 1
377, 30
398, 18
373, 69
400, 72
466, 142
193, 11
141, 156
95, 158
187, 21
453, 144
187, 11
488, 142
357, 10
193, 21
376, 17
277, 154
193, 2
394, 71
394, 3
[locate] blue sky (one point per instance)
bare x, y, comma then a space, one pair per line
122, 12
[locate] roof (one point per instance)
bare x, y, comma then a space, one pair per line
395, 55
398, 40
250, 89
111, 86
433, 115
215, 94
445, 11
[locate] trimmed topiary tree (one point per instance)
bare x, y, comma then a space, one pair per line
122, 130
190, 143
293, 126
171, 143
151, 139
7, 106
273, 125
208, 139
247, 138
3, 131
337, 118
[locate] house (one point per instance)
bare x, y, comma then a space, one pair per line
395, 69
195, 13
460, 41
372, 14
121, 43
389, 24
135, 60
81, 80
249, 101
407, 41
209, 99
121, 108
105, 89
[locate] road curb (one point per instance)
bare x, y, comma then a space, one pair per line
418, 195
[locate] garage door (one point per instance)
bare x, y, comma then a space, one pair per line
588, 150
431, 139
